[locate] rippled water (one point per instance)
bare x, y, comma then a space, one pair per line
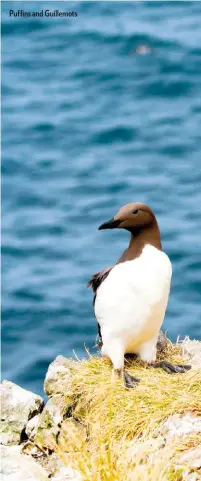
90, 123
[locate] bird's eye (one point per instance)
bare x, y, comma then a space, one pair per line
135, 211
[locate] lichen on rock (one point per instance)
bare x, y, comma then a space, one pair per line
17, 407
48, 425
58, 377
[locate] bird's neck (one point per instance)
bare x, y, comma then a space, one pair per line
139, 239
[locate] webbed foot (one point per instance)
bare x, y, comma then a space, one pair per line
127, 380
172, 368
130, 381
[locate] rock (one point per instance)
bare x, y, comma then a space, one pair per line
48, 425
52, 427
142, 451
193, 350
177, 425
30, 448
18, 406
50, 462
66, 474
31, 427
151, 450
18, 467
58, 377
72, 434
192, 457
186, 476
49, 422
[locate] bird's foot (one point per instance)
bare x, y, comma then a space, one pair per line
171, 368
130, 381
127, 380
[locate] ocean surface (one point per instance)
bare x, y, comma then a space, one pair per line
98, 110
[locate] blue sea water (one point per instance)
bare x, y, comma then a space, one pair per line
89, 124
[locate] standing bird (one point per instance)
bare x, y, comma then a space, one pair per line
131, 296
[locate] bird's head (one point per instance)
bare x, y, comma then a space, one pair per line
133, 217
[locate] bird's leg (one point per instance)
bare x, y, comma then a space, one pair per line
104, 354
116, 354
171, 368
148, 355
128, 380
117, 374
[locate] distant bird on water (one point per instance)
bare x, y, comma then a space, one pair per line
131, 296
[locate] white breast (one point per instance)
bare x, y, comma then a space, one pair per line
131, 302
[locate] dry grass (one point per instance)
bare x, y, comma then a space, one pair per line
114, 415
111, 463
134, 412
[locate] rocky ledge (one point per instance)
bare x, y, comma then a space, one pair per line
58, 440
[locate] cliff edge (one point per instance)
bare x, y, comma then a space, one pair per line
92, 430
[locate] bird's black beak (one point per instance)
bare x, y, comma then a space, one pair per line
110, 224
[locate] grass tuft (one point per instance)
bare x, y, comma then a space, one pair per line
113, 416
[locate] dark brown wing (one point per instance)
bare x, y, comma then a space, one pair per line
98, 278
95, 282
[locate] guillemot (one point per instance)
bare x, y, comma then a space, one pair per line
130, 297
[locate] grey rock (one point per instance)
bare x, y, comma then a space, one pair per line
30, 449
66, 474
191, 476
180, 425
192, 458
142, 451
48, 425
17, 407
50, 462
58, 377
18, 467
31, 427
192, 349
